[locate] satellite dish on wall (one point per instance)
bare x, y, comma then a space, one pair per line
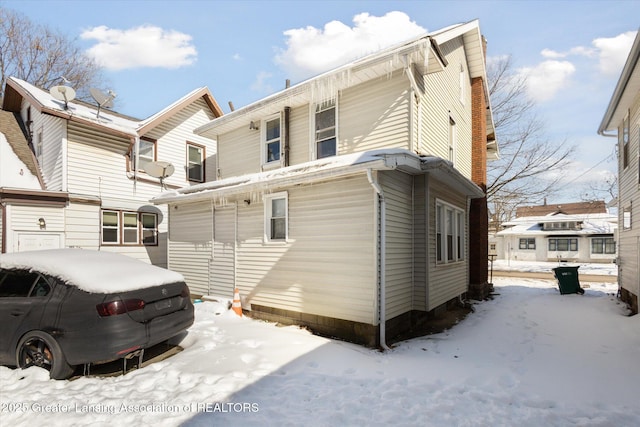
102, 99
160, 170
63, 93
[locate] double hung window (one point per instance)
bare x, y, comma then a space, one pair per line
325, 130
450, 232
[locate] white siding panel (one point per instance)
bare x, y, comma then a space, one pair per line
397, 189
83, 225
190, 244
445, 281
420, 259
375, 115
222, 279
327, 267
443, 99
299, 135
51, 161
172, 137
629, 179
25, 218
239, 152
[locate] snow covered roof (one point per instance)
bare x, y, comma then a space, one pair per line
17, 89
77, 111
599, 223
330, 167
92, 271
422, 51
18, 168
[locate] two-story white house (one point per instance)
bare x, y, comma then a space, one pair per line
343, 202
622, 121
90, 171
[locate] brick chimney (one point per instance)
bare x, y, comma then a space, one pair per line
479, 287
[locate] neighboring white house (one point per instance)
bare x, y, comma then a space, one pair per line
344, 202
559, 237
622, 120
69, 178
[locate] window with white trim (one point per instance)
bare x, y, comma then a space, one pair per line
624, 136
110, 227
527, 243
603, 245
147, 148
325, 130
450, 232
271, 138
149, 222
563, 244
626, 218
276, 217
195, 162
129, 228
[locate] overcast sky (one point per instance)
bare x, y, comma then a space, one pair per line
154, 52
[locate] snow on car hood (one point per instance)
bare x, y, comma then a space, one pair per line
92, 271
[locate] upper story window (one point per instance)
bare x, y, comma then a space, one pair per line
626, 217
624, 136
146, 156
195, 162
325, 130
38, 146
271, 138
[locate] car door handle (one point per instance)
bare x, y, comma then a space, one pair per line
17, 313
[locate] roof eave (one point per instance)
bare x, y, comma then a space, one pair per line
625, 87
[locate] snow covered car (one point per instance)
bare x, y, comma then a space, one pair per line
65, 307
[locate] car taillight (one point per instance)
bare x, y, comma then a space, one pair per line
185, 292
113, 308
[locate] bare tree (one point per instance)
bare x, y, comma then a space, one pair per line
42, 56
530, 165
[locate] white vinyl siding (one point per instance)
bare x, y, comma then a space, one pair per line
375, 115
436, 110
397, 189
51, 160
174, 133
445, 280
222, 278
239, 152
190, 244
82, 224
629, 216
327, 267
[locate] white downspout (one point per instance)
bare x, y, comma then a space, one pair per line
383, 259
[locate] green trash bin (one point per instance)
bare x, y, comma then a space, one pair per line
568, 280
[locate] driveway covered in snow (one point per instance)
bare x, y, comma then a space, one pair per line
528, 357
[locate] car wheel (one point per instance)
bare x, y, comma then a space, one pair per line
40, 349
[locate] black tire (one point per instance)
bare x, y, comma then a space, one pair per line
40, 349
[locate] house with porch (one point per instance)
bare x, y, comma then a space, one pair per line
352, 203
622, 121
74, 175
558, 236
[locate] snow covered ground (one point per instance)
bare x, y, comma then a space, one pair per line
604, 269
529, 357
